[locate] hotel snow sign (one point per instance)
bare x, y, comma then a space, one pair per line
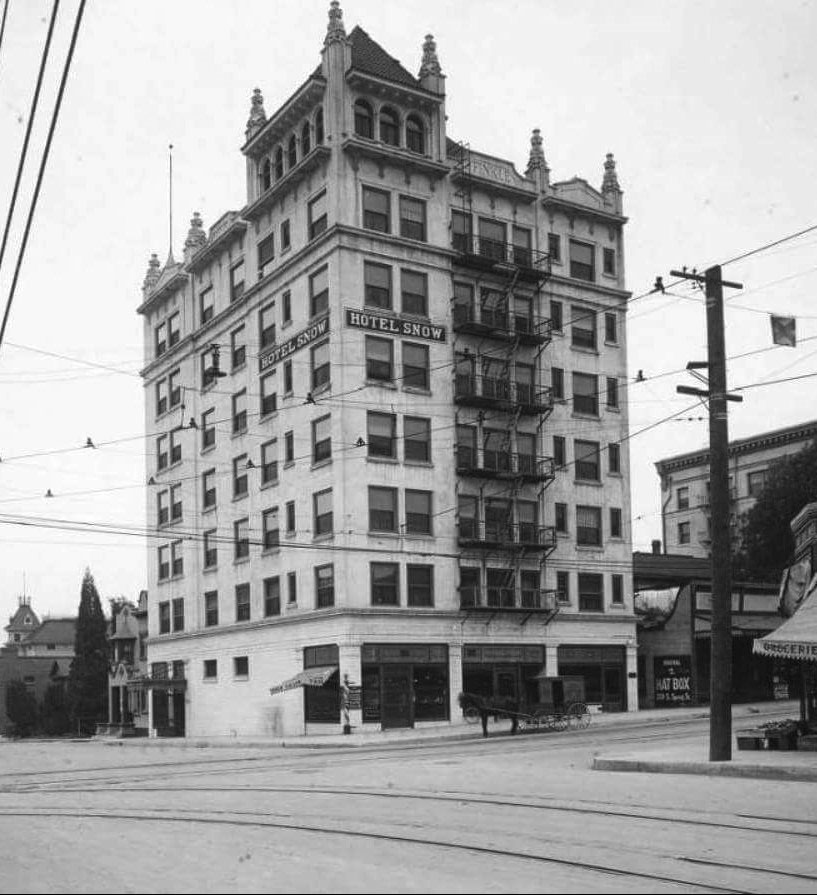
392, 325
277, 353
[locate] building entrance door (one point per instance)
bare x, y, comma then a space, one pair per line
506, 682
396, 707
613, 695
178, 713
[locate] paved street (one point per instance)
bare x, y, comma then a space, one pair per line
522, 814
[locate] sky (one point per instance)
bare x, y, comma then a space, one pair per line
710, 109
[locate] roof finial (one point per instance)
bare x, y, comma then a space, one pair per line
196, 237
153, 273
335, 30
537, 153
610, 183
430, 64
258, 117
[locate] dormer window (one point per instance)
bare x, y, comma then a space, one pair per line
279, 163
292, 152
415, 135
266, 174
305, 147
389, 127
364, 119
319, 127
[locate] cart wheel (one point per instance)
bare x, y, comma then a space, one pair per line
560, 721
578, 717
471, 714
541, 719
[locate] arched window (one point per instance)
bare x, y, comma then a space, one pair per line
279, 163
266, 174
292, 152
305, 147
415, 135
389, 127
319, 127
364, 119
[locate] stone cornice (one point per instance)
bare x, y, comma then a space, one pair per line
576, 209
384, 154
228, 226
176, 281
403, 93
288, 113
317, 155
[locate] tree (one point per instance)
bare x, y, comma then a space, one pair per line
767, 545
21, 708
55, 717
88, 678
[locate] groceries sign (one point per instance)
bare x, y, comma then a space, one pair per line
278, 352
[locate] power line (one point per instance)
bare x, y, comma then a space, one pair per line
3, 22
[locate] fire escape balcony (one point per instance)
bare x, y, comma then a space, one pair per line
485, 254
507, 598
525, 536
500, 393
504, 465
500, 324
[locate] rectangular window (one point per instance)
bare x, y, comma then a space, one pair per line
418, 512
414, 293
175, 448
210, 608
420, 585
376, 212
381, 434
240, 411
161, 397
292, 588
162, 455
242, 602
241, 666
588, 526
320, 366
588, 460
269, 462
585, 394
269, 393
563, 587
164, 617
321, 439
682, 498
527, 517
617, 596
612, 392
178, 614
286, 307
609, 261
177, 558
210, 548
272, 596
461, 232
208, 429
492, 239
561, 517
559, 452
290, 511
324, 586
160, 338
238, 348
288, 376
377, 286
174, 389
322, 512
237, 281
289, 447
529, 589
582, 261
176, 501
614, 458
385, 578
557, 316
615, 522
319, 292
240, 476
521, 237
164, 562
416, 373
241, 538
583, 327
555, 248
210, 669
379, 359
207, 305
317, 215
610, 329
266, 251
382, 509
162, 507
285, 238
591, 592
683, 533
755, 482
557, 383
417, 439
270, 528
413, 218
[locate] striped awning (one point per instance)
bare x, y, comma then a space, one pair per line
311, 677
796, 638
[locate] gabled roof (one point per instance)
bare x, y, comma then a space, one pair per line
17, 622
55, 630
369, 57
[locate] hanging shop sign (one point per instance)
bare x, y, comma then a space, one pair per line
672, 680
394, 325
278, 352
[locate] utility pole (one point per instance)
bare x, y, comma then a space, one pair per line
720, 684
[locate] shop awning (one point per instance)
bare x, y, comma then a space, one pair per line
312, 677
796, 638
743, 625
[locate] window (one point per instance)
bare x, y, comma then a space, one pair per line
210, 608
381, 434
376, 214
317, 215
164, 562
241, 538
285, 237
237, 281
289, 447
210, 549
563, 587
162, 455
588, 462
527, 515
208, 488
240, 476
210, 669
320, 366
322, 507
272, 596
385, 578
364, 119
266, 175
415, 135
175, 448
160, 339
382, 509
319, 292
321, 439
266, 251
389, 127
164, 617
266, 326
178, 614
161, 397
269, 394
610, 329
290, 511
585, 394
461, 232
286, 307
415, 366
555, 248
557, 382
287, 377
559, 451
292, 152
324, 586
609, 262
305, 139
176, 501
292, 588
755, 482
270, 528
269, 462
583, 327
521, 246
420, 585
208, 429
413, 218
377, 286
279, 163
618, 589
414, 293
588, 526
418, 512
242, 602
241, 666
615, 522
591, 592
582, 261
561, 517
238, 348
174, 388
556, 316
682, 498
319, 127
417, 439
492, 239
614, 458
683, 532
240, 411
379, 359
612, 392
207, 305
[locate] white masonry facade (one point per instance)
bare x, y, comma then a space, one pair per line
386, 408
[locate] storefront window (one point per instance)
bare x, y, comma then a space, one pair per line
322, 704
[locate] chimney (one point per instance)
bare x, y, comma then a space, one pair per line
656, 548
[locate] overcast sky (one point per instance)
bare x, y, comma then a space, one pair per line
710, 110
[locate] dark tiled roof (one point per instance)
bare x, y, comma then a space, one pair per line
55, 630
17, 620
369, 57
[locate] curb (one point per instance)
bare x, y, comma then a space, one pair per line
709, 769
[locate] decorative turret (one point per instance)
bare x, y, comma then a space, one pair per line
152, 275
337, 47
258, 117
537, 165
431, 76
196, 237
610, 188
335, 32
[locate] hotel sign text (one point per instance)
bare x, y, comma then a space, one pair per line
305, 337
394, 326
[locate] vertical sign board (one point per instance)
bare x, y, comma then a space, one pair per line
672, 677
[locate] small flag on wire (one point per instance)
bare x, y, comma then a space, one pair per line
784, 330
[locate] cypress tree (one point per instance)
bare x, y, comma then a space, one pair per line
88, 678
